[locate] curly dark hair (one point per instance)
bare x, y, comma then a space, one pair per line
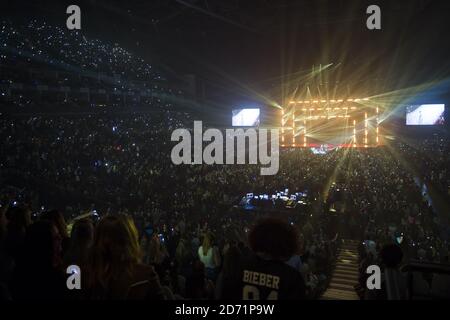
274, 237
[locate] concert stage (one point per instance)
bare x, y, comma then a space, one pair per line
334, 123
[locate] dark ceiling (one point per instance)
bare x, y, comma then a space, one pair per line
269, 46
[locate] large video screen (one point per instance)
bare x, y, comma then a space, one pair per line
245, 117
425, 114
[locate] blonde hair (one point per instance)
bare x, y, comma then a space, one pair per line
115, 251
207, 243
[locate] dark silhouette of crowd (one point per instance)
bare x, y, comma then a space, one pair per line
99, 191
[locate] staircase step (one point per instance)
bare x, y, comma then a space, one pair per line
350, 282
339, 296
347, 263
350, 248
348, 259
344, 249
341, 286
346, 266
333, 297
348, 276
345, 274
335, 294
348, 253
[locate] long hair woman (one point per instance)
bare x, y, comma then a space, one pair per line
209, 255
115, 270
81, 239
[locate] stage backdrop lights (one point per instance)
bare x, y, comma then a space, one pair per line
336, 122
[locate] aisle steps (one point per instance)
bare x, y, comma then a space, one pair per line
345, 274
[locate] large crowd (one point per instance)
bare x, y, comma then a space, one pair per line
106, 183
40, 42
116, 165
42, 64
98, 190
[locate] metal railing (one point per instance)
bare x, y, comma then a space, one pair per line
410, 272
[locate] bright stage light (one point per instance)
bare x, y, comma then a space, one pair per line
321, 118
365, 129
293, 128
377, 126
328, 101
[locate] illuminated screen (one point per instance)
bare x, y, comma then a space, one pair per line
425, 114
322, 149
245, 117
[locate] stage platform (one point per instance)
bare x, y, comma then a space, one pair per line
341, 123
